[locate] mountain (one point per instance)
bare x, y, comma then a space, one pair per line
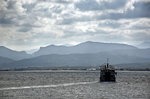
15, 55
84, 54
143, 53
92, 59
144, 45
86, 47
5, 60
31, 51
133, 65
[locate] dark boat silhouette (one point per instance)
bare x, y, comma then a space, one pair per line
107, 73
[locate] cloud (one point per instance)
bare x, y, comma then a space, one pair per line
27, 24
5, 21
109, 23
87, 5
140, 10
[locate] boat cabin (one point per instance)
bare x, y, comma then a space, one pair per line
107, 73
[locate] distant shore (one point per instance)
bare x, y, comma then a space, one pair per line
70, 69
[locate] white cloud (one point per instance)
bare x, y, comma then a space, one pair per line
26, 24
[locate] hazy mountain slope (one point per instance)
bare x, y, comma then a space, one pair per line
5, 60
133, 65
15, 55
143, 53
86, 47
144, 45
76, 60
83, 54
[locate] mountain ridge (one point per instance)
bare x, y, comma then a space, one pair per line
91, 59
85, 47
5, 60
84, 54
12, 54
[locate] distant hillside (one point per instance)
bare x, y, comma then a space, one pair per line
84, 54
144, 45
15, 55
95, 59
133, 65
143, 53
86, 47
5, 60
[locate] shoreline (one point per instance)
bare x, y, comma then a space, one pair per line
70, 71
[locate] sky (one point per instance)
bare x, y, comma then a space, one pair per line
30, 24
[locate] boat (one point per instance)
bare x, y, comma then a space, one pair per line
107, 73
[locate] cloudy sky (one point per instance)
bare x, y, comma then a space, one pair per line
29, 24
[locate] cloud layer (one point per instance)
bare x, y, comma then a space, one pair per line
29, 24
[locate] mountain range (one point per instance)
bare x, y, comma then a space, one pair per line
86, 47
12, 54
84, 54
144, 45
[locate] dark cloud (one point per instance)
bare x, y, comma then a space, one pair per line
63, 1
9, 10
88, 5
5, 21
26, 27
29, 7
11, 4
141, 9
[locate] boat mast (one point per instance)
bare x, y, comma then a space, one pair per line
107, 63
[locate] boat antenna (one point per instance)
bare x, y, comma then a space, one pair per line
107, 63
